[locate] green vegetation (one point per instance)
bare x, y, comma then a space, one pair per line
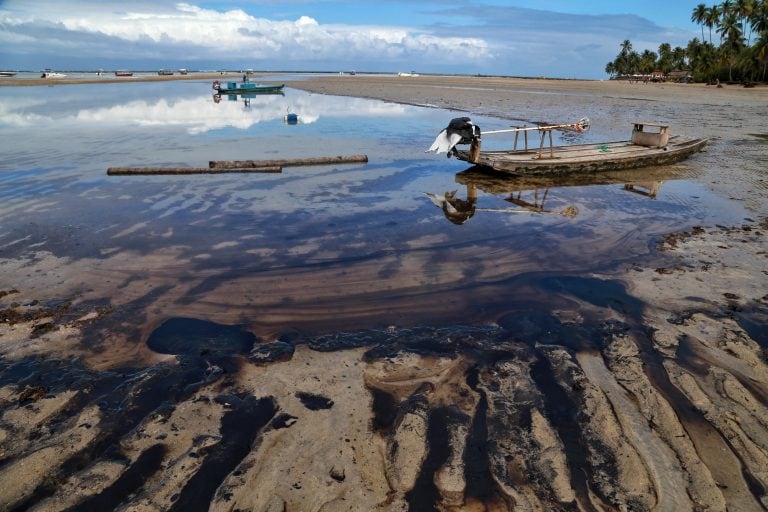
740, 53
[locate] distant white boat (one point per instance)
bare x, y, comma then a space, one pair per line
412, 73
52, 74
7, 73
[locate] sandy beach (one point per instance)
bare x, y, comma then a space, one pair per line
643, 388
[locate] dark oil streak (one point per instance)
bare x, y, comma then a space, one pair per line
561, 412
688, 358
303, 266
239, 428
146, 465
477, 472
123, 407
385, 408
424, 496
612, 294
691, 419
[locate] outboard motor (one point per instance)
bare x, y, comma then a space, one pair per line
460, 130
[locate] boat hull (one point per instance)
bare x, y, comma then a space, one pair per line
585, 158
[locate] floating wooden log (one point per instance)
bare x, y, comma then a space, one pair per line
290, 162
129, 171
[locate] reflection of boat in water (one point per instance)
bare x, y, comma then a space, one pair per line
530, 193
643, 149
246, 97
501, 183
246, 87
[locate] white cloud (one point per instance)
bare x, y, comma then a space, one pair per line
486, 38
185, 30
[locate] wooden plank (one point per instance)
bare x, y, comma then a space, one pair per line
289, 162
131, 171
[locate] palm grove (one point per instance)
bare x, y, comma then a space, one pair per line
739, 51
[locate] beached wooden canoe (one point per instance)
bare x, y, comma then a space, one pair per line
586, 157
643, 149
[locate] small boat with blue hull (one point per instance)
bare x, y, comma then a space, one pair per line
246, 88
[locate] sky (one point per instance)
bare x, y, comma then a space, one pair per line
550, 38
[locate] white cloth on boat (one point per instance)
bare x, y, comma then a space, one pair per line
444, 142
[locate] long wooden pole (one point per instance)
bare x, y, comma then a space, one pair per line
580, 126
131, 171
290, 162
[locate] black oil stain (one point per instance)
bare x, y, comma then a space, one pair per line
477, 472
239, 428
146, 465
424, 496
199, 337
314, 402
561, 412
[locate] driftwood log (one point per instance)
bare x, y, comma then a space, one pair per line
290, 162
129, 171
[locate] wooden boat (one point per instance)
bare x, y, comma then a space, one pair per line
246, 88
123, 73
643, 149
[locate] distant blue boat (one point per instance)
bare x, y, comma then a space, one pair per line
245, 87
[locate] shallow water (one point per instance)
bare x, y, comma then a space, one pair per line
363, 240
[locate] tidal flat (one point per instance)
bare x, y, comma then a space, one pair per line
326, 339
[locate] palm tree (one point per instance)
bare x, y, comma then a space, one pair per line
713, 19
761, 49
759, 19
623, 60
745, 8
698, 16
665, 58
678, 58
730, 29
647, 61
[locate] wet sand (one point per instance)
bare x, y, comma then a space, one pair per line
644, 387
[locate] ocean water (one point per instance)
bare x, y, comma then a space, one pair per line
317, 248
